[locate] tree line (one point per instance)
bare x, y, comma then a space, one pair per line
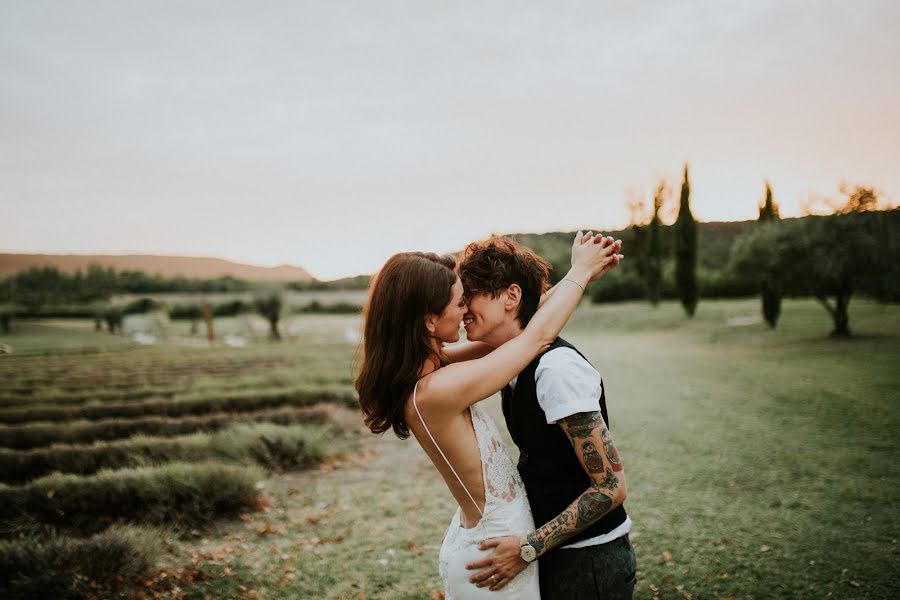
109, 316
843, 247
39, 291
39, 287
852, 249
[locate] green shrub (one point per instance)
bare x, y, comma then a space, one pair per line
142, 306
186, 311
618, 286
232, 308
61, 311
36, 435
357, 282
178, 494
275, 447
271, 446
236, 402
63, 567
26, 396
336, 308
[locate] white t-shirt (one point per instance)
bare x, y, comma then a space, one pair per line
567, 384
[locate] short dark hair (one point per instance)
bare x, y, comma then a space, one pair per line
498, 262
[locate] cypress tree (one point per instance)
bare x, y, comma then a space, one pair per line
770, 286
654, 252
637, 245
768, 210
686, 250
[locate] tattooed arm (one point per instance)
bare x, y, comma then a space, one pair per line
598, 455
592, 443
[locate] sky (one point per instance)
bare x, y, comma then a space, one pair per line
333, 134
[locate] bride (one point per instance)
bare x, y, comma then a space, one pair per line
410, 383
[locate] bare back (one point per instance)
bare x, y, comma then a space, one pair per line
455, 435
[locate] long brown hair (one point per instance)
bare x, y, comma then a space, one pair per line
395, 344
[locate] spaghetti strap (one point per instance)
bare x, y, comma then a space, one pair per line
433, 441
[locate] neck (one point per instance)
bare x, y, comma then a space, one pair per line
503, 333
432, 361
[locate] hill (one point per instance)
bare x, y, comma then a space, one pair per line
714, 240
192, 267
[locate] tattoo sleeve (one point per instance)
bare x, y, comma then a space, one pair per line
588, 434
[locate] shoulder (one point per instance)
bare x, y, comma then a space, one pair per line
419, 398
429, 396
566, 384
564, 360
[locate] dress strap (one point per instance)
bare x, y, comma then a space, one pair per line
433, 441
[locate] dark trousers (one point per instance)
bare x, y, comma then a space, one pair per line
603, 572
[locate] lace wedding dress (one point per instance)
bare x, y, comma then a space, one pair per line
506, 512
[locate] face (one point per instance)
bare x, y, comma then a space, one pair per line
446, 324
484, 314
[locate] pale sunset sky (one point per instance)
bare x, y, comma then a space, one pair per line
333, 134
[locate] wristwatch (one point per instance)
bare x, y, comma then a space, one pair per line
526, 550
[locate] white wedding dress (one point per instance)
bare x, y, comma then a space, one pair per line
506, 512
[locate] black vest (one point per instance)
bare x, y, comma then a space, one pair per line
552, 473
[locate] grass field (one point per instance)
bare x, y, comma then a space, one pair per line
761, 464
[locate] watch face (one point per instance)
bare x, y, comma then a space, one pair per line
528, 553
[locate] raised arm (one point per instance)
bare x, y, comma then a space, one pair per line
458, 386
472, 350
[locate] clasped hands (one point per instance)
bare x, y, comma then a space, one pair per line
604, 242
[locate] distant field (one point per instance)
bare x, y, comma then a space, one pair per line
761, 464
291, 297
47, 335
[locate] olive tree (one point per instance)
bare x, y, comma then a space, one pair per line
828, 257
270, 308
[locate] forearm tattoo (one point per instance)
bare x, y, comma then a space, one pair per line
552, 531
587, 432
592, 505
586, 510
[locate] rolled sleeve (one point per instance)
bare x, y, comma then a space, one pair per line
566, 384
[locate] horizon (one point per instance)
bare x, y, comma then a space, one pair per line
236, 260
295, 134
293, 265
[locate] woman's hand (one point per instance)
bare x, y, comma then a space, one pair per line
594, 256
501, 567
616, 257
